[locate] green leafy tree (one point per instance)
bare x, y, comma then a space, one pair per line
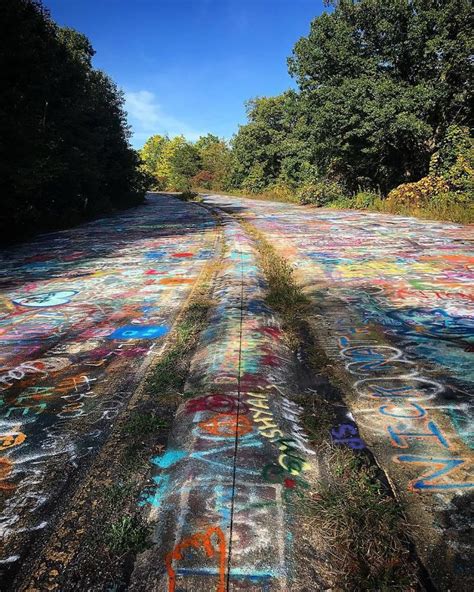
216, 161
150, 155
369, 132
177, 161
454, 161
164, 169
381, 81
272, 142
185, 161
206, 141
64, 150
256, 180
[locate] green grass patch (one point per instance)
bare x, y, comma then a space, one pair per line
283, 294
139, 424
169, 375
434, 210
276, 193
318, 418
133, 458
118, 492
127, 535
139, 430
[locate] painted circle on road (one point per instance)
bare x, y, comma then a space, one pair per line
46, 299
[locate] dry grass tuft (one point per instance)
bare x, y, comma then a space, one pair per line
283, 294
364, 526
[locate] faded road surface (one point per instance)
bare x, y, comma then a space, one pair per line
394, 309
83, 313
80, 313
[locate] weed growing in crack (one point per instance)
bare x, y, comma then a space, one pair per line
169, 375
118, 492
283, 294
140, 424
127, 535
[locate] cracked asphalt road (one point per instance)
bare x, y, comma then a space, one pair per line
394, 310
82, 312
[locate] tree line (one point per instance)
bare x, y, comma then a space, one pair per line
382, 115
64, 150
384, 100
179, 165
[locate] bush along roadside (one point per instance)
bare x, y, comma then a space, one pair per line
446, 193
430, 198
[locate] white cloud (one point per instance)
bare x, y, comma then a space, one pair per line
146, 116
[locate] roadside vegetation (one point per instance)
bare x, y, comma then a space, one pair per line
64, 151
189, 196
381, 118
351, 507
178, 165
445, 193
168, 377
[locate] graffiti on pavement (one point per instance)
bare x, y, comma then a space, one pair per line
79, 310
237, 455
395, 303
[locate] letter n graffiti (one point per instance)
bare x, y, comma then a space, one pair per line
441, 466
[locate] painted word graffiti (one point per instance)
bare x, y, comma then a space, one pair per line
402, 394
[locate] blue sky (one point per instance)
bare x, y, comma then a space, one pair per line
187, 66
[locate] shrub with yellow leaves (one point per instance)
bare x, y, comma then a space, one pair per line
418, 193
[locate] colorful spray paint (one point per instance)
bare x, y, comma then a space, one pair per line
81, 313
394, 312
222, 494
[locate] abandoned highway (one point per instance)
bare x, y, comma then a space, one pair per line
87, 313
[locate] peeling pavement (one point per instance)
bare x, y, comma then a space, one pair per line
222, 494
393, 308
